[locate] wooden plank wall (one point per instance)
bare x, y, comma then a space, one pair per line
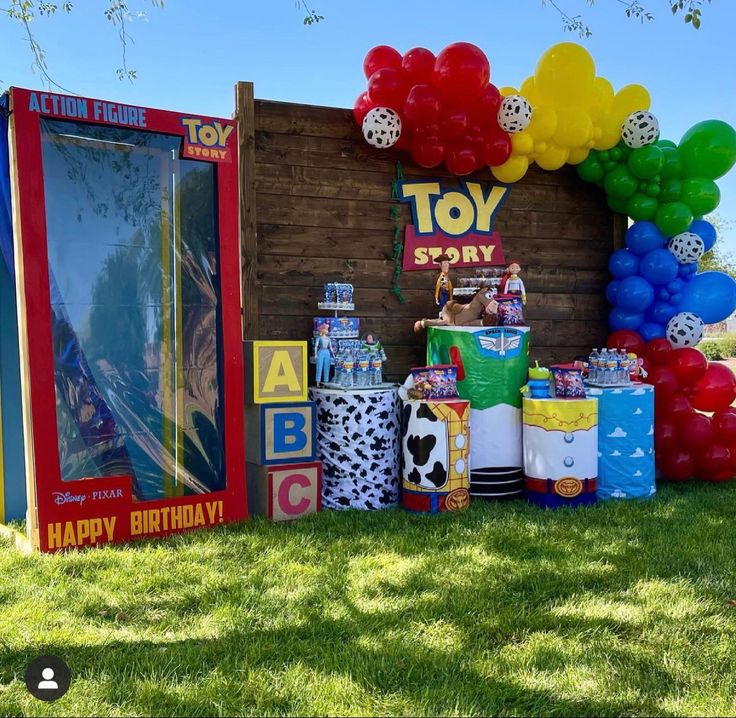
323, 201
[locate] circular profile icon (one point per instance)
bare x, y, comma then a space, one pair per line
48, 678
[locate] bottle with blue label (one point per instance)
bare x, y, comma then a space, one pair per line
376, 371
363, 370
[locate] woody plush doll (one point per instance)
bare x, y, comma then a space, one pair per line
443, 285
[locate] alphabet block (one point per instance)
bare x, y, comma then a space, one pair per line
280, 433
285, 492
275, 371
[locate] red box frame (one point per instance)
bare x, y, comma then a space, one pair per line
37, 366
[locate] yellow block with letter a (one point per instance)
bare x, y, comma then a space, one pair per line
275, 371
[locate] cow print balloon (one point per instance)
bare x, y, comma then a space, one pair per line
640, 129
685, 330
382, 127
515, 114
687, 247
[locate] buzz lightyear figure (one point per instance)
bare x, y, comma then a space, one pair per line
324, 351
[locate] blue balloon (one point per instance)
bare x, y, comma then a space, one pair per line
710, 295
621, 319
661, 313
643, 237
675, 286
635, 294
663, 294
623, 263
659, 267
706, 231
650, 330
612, 291
676, 298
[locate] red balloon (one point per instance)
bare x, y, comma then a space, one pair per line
676, 465
724, 425
626, 339
716, 390
689, 365
488, 105
461, 72
665, 435
379, 57
496, 148
658, 350
404, 142
387, 89
695, 432
675, 408
418, 65
714, 464
454, 124
664, 382
422, 106
460, 160
361, 107
427, 152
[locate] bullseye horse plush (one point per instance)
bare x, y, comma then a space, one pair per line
480, 311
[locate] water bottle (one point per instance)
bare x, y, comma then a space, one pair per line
377, 371
347, 371
593, 365
611, 366
363, 370
625, 367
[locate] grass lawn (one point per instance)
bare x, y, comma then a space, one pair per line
620, 609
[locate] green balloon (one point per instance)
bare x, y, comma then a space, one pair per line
653, 189
609, 166
665, 143
642, 186
673, 218
605, 156
671, 190
615, 154
672, 167
624, 149
590, 170
617, 205
701, 195
646, 162
639, 207
620, 183
708, 149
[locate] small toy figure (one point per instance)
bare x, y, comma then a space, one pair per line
372, 346
481, 311
443, 285
511, 283
323, 353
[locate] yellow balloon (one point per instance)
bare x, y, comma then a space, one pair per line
540, 148
608, 138
601, 99
507, 91
577, 155
628, 99
528, 89
565, 73
574, 127
553, 158
543, 124
522, 143
512, 170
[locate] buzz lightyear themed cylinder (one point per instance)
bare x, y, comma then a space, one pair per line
560, 451
492, 366
436, 446
625, 441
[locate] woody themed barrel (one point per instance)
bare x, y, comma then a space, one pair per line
560, 448
436, 452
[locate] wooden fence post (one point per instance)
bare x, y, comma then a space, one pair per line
245, 114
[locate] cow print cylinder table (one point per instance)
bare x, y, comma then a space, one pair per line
358, 438
436, 450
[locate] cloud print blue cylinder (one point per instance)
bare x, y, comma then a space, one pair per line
710, 295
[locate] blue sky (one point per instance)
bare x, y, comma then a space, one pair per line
190, 54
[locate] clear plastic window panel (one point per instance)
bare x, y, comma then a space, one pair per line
133, 273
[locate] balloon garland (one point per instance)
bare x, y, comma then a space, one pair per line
444, 109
